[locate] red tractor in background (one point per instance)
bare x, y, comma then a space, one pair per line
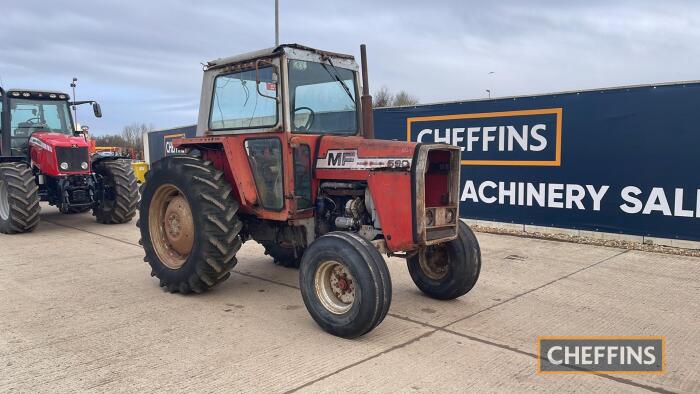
43, 158
285, 156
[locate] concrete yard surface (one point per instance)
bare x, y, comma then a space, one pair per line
81, 313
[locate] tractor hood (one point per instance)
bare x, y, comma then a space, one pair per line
47, 140
364, 154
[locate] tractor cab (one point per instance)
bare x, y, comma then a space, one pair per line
274, 106
25, 112
288, 88
282, 96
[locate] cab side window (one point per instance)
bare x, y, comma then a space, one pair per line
265, 158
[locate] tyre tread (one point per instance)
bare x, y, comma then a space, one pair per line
221, 227
126, 190
23, 193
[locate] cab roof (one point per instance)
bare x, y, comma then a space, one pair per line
272, 51
34, 93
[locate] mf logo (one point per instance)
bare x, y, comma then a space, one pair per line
169, 147
347, 159
509, 138
341, 158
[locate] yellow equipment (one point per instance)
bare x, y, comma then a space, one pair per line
140, 170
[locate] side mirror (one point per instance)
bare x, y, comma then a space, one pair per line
97, 109
275, 78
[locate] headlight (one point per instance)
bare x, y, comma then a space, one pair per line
64, 166
84, 166
429, 218
449, 216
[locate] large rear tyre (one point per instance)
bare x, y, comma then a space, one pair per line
119, 197
283, 256
345, 284
450, 270
189, 228
19, 199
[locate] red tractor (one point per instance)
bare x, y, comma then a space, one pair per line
43, 158
285, 156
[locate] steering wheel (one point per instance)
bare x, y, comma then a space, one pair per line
34, 120
309, 121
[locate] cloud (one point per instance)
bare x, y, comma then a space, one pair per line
141, 59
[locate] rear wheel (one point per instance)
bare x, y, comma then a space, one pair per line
345, 284
188, 222
119, 197
283, 256
19, 199
449, 270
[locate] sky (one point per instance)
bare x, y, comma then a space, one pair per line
142, 59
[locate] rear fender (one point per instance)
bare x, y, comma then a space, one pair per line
217, 156
228, 155
97, 158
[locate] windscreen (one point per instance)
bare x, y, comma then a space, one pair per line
28, 116
238, 105
322, 98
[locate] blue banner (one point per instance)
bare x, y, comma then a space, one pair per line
619, 160
160, 142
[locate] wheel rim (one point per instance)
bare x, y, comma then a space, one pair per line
4, 201
434, 261
335, 287
171, 226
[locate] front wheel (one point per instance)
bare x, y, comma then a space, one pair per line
449, 270
345, 284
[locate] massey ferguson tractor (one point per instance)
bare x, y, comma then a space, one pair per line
285, 156
43, 158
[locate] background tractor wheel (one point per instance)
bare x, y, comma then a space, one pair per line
188, 222
120, 194
345, 284
19, 199
447, 271
283, 256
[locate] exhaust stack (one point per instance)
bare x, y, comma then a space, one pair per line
367, 113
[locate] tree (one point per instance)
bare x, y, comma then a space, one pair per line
382, 98
109, 140
385, 98
402, 98
132, 135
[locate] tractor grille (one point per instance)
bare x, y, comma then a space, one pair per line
73, 156
436, 193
